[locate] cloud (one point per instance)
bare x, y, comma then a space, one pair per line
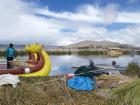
132, 1
95, 14
110, 13
130, 17
20, 23
130, 35
70, 16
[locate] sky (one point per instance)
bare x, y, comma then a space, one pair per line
63, 22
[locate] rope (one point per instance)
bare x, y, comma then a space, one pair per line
24, 61
62, 78
84, 73
48, 81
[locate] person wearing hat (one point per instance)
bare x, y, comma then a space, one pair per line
10, 54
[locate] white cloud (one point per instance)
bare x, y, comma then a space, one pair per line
19, 24
130, 17
110, 13
94, 14
132, 1
71, 16
129, 35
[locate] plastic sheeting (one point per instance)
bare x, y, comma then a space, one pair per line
85, 71
9, 79
81, 83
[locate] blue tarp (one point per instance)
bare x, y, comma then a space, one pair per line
81, 83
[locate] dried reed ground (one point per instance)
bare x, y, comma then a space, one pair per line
37, 91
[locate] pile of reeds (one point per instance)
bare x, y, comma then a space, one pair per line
112, 81
47, 91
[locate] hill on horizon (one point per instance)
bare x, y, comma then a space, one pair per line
85, 43
15, 45
102, 44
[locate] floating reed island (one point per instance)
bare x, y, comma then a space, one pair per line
54, 91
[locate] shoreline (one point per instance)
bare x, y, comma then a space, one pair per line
3, 53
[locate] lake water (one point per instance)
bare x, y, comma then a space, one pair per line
63, 64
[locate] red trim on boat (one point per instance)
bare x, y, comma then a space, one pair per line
35, 68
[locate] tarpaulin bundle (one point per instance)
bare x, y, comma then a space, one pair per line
81, 83
85, 71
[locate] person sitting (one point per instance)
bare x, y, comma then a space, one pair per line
91, 64
113, 63
86, 71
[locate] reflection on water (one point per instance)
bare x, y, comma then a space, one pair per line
63, 64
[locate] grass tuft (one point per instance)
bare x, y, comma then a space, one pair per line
127, 94
133, 70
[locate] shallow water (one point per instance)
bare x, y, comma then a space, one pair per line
63, 64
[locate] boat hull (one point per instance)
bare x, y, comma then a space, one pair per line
41, 62
44, 71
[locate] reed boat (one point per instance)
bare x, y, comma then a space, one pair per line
39, 63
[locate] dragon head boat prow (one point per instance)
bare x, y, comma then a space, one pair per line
33, 48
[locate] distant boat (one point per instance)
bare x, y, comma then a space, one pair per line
114, 51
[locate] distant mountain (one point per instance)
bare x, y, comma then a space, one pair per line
49, 47
7, 45
98, 44
80, 45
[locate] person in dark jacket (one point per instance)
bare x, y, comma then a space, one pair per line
10, 54
91, 64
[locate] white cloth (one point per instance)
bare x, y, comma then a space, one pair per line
9, 79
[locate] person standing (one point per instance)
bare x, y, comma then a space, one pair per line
10, 54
